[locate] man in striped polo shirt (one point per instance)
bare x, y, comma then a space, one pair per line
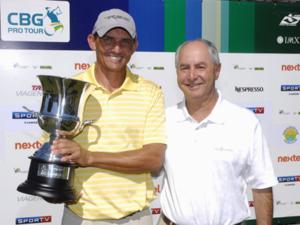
126, 143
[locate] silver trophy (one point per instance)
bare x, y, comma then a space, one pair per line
62, 109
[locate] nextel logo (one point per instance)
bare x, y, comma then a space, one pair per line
289, 67
81, 66
37, 219
27, 145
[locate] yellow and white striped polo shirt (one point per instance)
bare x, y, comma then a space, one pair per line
125, 119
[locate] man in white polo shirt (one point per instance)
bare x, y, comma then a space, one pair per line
215, 150
126, 142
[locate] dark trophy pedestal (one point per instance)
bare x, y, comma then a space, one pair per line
51, 181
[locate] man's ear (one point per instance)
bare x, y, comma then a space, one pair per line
217, 71
135, 44
91, 41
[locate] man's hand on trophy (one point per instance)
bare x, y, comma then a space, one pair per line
71, 151
63, 134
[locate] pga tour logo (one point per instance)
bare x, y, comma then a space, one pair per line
37, 21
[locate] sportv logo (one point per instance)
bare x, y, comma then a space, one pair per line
155, 211
37, 219
24, 115
288, 179
37, 21
257, 110
290, 87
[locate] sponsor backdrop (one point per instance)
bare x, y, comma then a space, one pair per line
161, 24
49, 37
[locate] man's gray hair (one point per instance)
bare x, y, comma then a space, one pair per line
213, 51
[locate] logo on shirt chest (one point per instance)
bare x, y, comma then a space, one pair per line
223, 149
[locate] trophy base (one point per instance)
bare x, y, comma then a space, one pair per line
50, 181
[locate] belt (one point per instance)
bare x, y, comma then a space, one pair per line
169, 222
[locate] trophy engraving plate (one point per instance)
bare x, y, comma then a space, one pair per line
53, 171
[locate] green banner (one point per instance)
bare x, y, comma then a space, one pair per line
174, 24
277, 27
263, 27
241, 27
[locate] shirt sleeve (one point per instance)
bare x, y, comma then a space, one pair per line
155, 119
260, 173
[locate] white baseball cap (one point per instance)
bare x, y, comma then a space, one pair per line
114, 18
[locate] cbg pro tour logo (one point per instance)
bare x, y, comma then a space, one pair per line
37, 21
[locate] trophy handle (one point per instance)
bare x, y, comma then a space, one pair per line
66, 134
85, 123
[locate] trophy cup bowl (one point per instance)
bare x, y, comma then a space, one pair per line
61, 109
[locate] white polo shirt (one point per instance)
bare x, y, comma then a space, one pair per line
209, 165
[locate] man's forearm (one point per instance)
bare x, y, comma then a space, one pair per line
263, 203
148, 159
